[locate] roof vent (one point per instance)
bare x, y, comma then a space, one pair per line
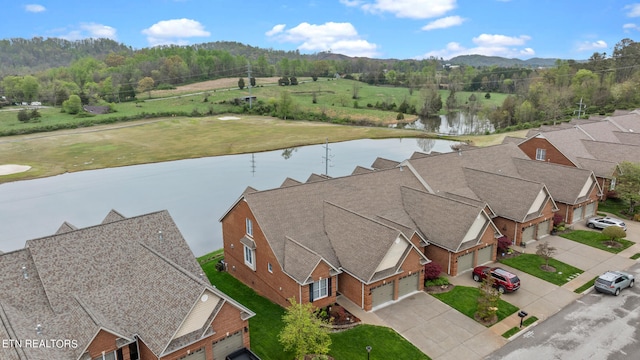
39, 329
159, 234
25, 274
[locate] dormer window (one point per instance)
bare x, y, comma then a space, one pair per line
249, 227
541, 154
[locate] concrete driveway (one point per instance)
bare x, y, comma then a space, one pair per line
443, 333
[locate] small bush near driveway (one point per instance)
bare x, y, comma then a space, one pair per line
465, 300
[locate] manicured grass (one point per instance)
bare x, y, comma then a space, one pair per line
614, 207
385, 344
267, 324
596, 240
635, 256
516, 329
167, 139
531, 264
584, 287
465, 300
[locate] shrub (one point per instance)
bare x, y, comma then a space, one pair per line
440, 281
432, 270
503, 244
23, 115
400, 116
557, 219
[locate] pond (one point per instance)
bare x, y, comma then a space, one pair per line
456, 123
197, 192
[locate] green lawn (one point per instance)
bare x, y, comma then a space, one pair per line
596, 240
267, 324
585, 286
465, 300
516, 329
614, 207
531, 264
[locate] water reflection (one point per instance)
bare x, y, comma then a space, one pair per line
197, 192
455, 123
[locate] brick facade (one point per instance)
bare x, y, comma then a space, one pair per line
448, 260
513, 230
276, 285
553, 155
103, 342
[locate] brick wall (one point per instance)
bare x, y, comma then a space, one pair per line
276, 285
530, 146
103, 342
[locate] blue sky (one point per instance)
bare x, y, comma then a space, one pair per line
402, 29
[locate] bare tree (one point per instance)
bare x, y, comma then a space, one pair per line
546, 252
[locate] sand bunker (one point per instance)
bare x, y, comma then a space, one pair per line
13, 169
228, 118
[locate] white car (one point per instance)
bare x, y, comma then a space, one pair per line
613, 281
602, 222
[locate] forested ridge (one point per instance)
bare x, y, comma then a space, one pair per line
102, 71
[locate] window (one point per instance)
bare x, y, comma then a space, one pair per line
270, 267
249, 257
110, 355
541, 154
612, 186
249, 227
319, 289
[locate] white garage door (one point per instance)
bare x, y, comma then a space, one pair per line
577, 214
543, 228
484, 255
590, 210
196, 355
382, 294
528, 233
408, 284
226, 346
465, 262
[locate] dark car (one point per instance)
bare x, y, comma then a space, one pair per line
504, 281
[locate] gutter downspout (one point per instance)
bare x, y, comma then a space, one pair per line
362, 295
299, 293
449, 264
515, 235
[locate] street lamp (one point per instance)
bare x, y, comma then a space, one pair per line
368, 351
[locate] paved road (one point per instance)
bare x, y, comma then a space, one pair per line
596, 326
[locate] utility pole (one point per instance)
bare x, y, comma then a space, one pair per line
326, 157
249, 74
581, 107
253, 164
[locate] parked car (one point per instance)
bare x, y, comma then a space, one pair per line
601, 222
613, 281
504, 280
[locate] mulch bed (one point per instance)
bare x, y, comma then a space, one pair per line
438, 289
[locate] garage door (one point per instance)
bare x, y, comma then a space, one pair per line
382, 294
226, 346
408, 284
590, 210
543, 228
528, 233
196, 355
484, 255
577, 214
465, 262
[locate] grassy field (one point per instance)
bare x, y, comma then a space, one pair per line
531, 264
171, 138
596, 240
465, 300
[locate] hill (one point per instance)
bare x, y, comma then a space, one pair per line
486, 61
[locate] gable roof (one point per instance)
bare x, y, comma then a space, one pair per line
73, 278
565, 183
297, 213
382, 163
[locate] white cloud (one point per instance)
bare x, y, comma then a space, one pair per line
444, 23
488, 45
340, 38
351, 3
412, 9
591, 45
34, 8
633, 10
488, 40
86, 30
628, 27
99, 30
175, 31
275, 30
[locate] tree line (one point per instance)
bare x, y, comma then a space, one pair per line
118, 73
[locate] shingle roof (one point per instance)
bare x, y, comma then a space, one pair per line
361, 170
382, 163
564, 182
296, 212
290, 182
317, 177
130, 276
601, 168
